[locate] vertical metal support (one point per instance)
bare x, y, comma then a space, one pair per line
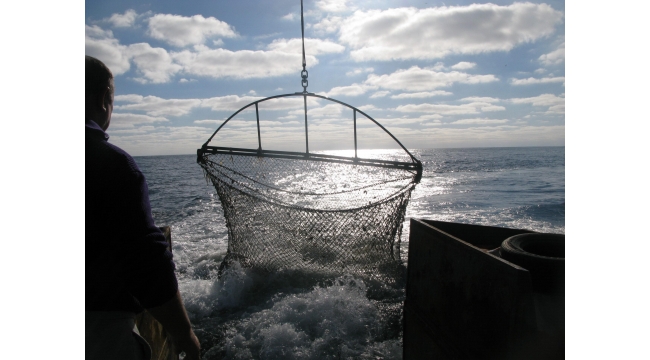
306, 135
259, 138
355, 132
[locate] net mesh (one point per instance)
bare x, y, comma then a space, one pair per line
310, 215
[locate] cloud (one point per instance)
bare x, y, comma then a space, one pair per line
234, 102
122, 120
366, 108
443, 109
156, 106
464, 65
333, 5
123, 20
130, 98
480, 99
289, 17
411, 33
162, 140
479, 121
530, 81
424, 120
102, 45
312, 46
350, 90
504, 135
329, 110
243, 64
379, 94
420, 95
155, 64
358, 71
554, 57
182, 31
208, 122
555, 103
329, 25
229, 102
417, 79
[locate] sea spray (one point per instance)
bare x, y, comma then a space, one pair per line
328, 322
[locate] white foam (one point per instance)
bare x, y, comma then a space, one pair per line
331, 321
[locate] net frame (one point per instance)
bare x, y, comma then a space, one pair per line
235, 188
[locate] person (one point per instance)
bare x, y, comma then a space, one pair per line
128, 265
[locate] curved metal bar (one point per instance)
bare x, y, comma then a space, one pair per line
305, 95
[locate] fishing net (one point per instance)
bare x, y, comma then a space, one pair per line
309, 213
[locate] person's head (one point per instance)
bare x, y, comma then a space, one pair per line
99, 92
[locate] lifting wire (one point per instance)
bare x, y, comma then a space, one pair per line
304, 74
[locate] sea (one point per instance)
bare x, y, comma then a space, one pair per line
247, 314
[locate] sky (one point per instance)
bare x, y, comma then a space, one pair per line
434, 74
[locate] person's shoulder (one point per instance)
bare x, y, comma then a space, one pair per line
112, 156
124, 158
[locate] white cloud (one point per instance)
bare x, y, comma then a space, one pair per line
243, 64
503, 135
555, 103
540, 71
333, 5
479, 121
379, 94
464, 65
421, 95
128, 119
358, 71
163, 140
350, 90
417, 79
443, 109
411, 33
554, 57
208, 122
366, 108
329, 25
130, 98
480, 99
289, 17
156, 106
424, 120
229, 102
155, 64
329, 110
183, 31
530, 81
123, 20
312, 46
102, 45
234, 102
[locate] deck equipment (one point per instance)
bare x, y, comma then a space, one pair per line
311, 210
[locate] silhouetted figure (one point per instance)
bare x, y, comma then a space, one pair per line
128, 266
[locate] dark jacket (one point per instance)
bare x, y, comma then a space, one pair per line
127, 264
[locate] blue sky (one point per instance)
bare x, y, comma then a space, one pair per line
435, 74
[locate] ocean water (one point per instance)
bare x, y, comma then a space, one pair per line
298, 315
